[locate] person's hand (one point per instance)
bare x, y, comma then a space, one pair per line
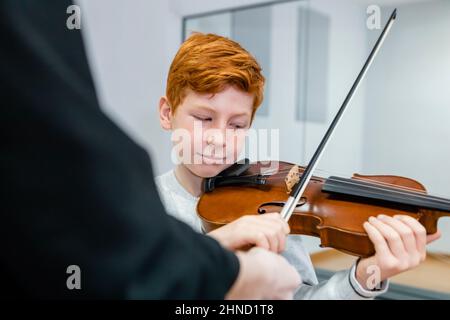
264, 275
267, 231
400, 245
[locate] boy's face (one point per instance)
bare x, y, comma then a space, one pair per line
214, 125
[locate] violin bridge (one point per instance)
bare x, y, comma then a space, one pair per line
292, 178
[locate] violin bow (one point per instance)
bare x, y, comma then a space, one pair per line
300, 187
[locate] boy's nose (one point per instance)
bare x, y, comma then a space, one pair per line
216, 139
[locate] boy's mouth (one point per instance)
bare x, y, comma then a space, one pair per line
212, 160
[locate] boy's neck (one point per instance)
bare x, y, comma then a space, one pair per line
188, 180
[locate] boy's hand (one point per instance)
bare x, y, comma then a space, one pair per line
267, 231
400, 244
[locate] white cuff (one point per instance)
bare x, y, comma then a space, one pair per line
382, 288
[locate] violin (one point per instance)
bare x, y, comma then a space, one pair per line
333, 209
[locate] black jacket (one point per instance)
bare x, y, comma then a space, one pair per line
75, 190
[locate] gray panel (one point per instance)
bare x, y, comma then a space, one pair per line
251, 28
313, 50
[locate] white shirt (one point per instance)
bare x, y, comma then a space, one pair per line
342, 285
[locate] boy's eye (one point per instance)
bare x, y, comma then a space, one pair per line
202, 118
239, 125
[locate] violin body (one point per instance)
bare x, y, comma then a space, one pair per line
337, 219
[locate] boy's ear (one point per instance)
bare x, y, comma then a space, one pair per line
165, 114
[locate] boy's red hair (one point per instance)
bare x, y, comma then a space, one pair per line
206, 63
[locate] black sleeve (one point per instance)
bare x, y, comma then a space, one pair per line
75, 190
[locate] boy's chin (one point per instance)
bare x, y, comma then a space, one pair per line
207, 170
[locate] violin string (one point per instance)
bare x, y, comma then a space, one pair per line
403, 190
381, 183
407, 193
413, 190
392, 185
335, 173
399, 188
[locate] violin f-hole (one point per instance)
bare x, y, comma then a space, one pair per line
262, 209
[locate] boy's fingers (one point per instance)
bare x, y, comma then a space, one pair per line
419, 232
281, 242
259, 239
379, 242
271, 226
273, 240
270, 235
279, 229
392, 237
404, 230
433, 237
276, 217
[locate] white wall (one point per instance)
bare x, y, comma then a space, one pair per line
407, 127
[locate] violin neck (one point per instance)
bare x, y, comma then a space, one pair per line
363, 189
